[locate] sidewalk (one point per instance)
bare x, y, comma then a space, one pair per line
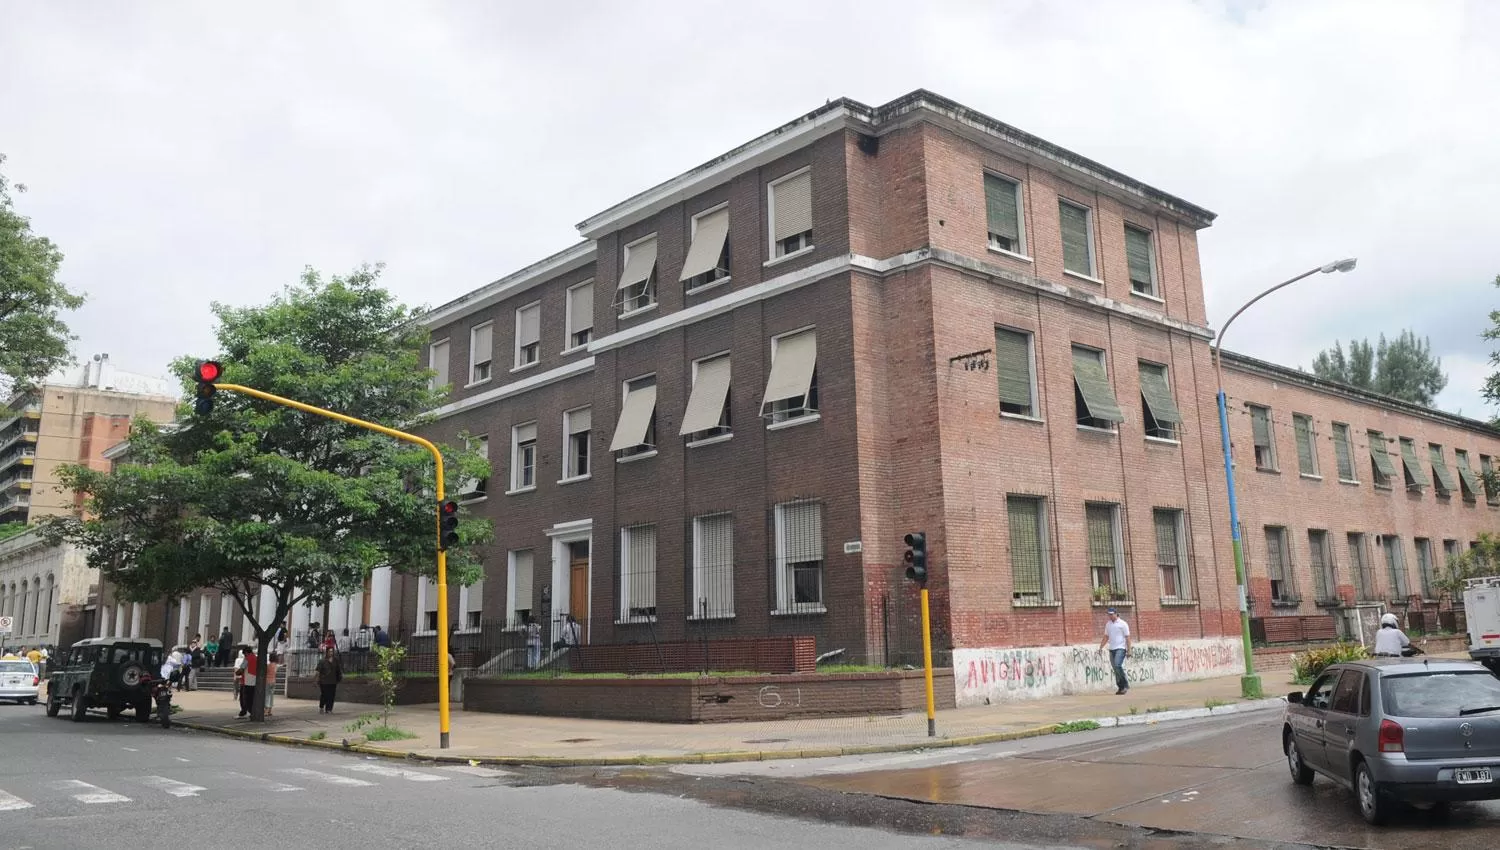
555, 741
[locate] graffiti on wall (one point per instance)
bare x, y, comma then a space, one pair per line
983, 676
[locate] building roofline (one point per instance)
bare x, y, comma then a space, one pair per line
564, 261
1264, 368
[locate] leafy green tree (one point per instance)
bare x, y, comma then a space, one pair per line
1478, 562
11, 529
33, 338
256, 494
1404, 368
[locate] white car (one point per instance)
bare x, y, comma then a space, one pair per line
19, 681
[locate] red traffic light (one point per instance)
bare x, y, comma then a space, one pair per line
209, 371
449, 508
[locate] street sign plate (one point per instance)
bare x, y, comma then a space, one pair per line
6, 624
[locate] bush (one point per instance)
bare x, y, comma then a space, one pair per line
1307, 666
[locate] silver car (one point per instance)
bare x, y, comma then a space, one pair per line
19, 680
1398, 730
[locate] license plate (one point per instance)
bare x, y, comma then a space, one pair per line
1472, 775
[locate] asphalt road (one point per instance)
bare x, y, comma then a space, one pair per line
122, 784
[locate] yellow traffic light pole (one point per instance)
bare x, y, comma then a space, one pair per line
442, 556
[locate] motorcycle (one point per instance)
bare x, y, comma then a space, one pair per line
1411, 651
161, 692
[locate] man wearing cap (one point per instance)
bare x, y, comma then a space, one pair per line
1117, 636
1390, 640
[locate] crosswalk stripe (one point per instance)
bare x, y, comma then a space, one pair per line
275, 786
330, 778
89, 793
394, 772
10, 802
172, 786
475, 770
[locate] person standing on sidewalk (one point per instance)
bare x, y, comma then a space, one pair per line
533, 643
247, 665
330, 673
1117, 638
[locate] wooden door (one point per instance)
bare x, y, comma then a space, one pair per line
578, 591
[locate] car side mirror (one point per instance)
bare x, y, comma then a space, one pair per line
1295, 697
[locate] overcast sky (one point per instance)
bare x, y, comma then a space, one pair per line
185, 152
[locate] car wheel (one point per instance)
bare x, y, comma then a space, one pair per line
80, 706
1373, 804
1301, 773
54, 706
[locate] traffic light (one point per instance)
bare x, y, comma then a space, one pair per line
207, 373
447, 524
916, 557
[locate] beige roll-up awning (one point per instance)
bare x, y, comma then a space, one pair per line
580, 308
635, 418
482, 343
792, 368
529, 325
580, 420
526, 433
793, 206
639, 265
706, 404
708, 244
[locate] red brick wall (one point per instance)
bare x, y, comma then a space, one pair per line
762, 655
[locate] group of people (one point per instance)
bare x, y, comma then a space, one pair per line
361, 641
37, 655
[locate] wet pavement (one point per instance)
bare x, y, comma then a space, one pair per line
1221, 776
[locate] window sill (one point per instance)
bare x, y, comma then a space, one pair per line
1286, 603
575, 479
520, 490
1038, 603
709, 441
636, 457
804, 608
1163, 441
1329, 603
1385, 487
1012, 254
1093, 430
1022, 417
424, 634
574, 350
794, 422
1082, 276
473, 500
1271, 469
630, 314
1309, 476
479, 383
707, 286
635, 621
1136, 293
711, 617
1114, 603
1350, 481
467, 631
792, 256
521, 367
1177, 602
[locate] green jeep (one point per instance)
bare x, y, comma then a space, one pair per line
109, 673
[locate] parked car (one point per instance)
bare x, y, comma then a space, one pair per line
19, 680
1398, 730
109, 673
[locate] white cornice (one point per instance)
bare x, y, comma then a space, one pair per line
551, 376
561, 263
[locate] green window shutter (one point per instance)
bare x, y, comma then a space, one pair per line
1440, 471
1000, 205
1167, 546
1098, 396
1487, 466
1158, 394
1260, 425
1027, 564
1101, 535
1074, 222
1381, 457
1138, 257
1413, 466
1013, 367
1302, 426
1466, 476
1275, 565
1341, 449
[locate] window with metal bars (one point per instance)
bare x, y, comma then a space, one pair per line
713, 567
1359, 566
799, 557
1279, 567
1424, 567
1307, 444
637, 573
1395, 563
1325, 580
1171, 553
1342, 452
1261, 434
1031, 579
1106, 558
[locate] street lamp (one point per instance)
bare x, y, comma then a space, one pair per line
1250, 682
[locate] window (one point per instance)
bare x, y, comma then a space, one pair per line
792, 388
637, 573
799, 557
1002, 202
528, 334
1279, 567
1320, 695
707, 260
1106, 558
1307, 446
1325, 579
1468, 482
1364, 581
1016, 371
1491, 492
427, 604
518, 579
1261, 434
1424, 567
1381, 468
471, 607
707, 414
637, 290
713, 567
1030, 575
1434, 694
477, 488
791, 214
1395, 564
1348, 695
1412, 466
437, 361
1158, 408
1171, 553
1093, 398
1442, 479
1140, 257
523, 457
577, 425
1077, 227
635, 433
1450, 551
1341, 452
481, 351
580, 314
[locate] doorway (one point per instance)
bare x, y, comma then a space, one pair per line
578, 583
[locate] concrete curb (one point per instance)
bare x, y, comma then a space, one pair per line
731, 756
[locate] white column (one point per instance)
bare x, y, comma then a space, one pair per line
301, 619
119, 620
338, 615
205, 609
137, 616
101, 613
20, 625
184, 610
380, 598
356, 611
226, 612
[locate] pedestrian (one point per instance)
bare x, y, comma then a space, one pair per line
329, 641
248, 666
382, 638
572, 632
276, 652
210, 650
226, 647
363, 639
171, 669
330, 673
1390, 640
1117, 637
34, 655
533, 643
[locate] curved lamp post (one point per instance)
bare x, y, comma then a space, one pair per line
1249, 683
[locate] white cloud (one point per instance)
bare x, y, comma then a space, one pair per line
185, 152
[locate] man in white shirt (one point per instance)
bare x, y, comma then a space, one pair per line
1390, 640
1117, 637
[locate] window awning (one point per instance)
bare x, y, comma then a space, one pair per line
1381, 457
639, 266
1260, 425
706, 404
791, 368
1470, 480
1093, 384
1013, 367
1440, 469
482, 343
1413, 466
708, 244
580, 308
529, 325
526, 433
793, 201
1158, 396
635, 418
1000, 207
